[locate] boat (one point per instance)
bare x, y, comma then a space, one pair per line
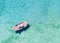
20, 26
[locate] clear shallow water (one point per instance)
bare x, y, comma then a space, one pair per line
42, 15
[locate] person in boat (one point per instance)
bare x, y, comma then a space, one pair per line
20, 26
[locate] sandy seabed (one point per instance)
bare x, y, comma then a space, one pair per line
43, 17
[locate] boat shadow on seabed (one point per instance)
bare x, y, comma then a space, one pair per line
24, 29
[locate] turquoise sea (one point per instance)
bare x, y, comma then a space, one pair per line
43, 17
